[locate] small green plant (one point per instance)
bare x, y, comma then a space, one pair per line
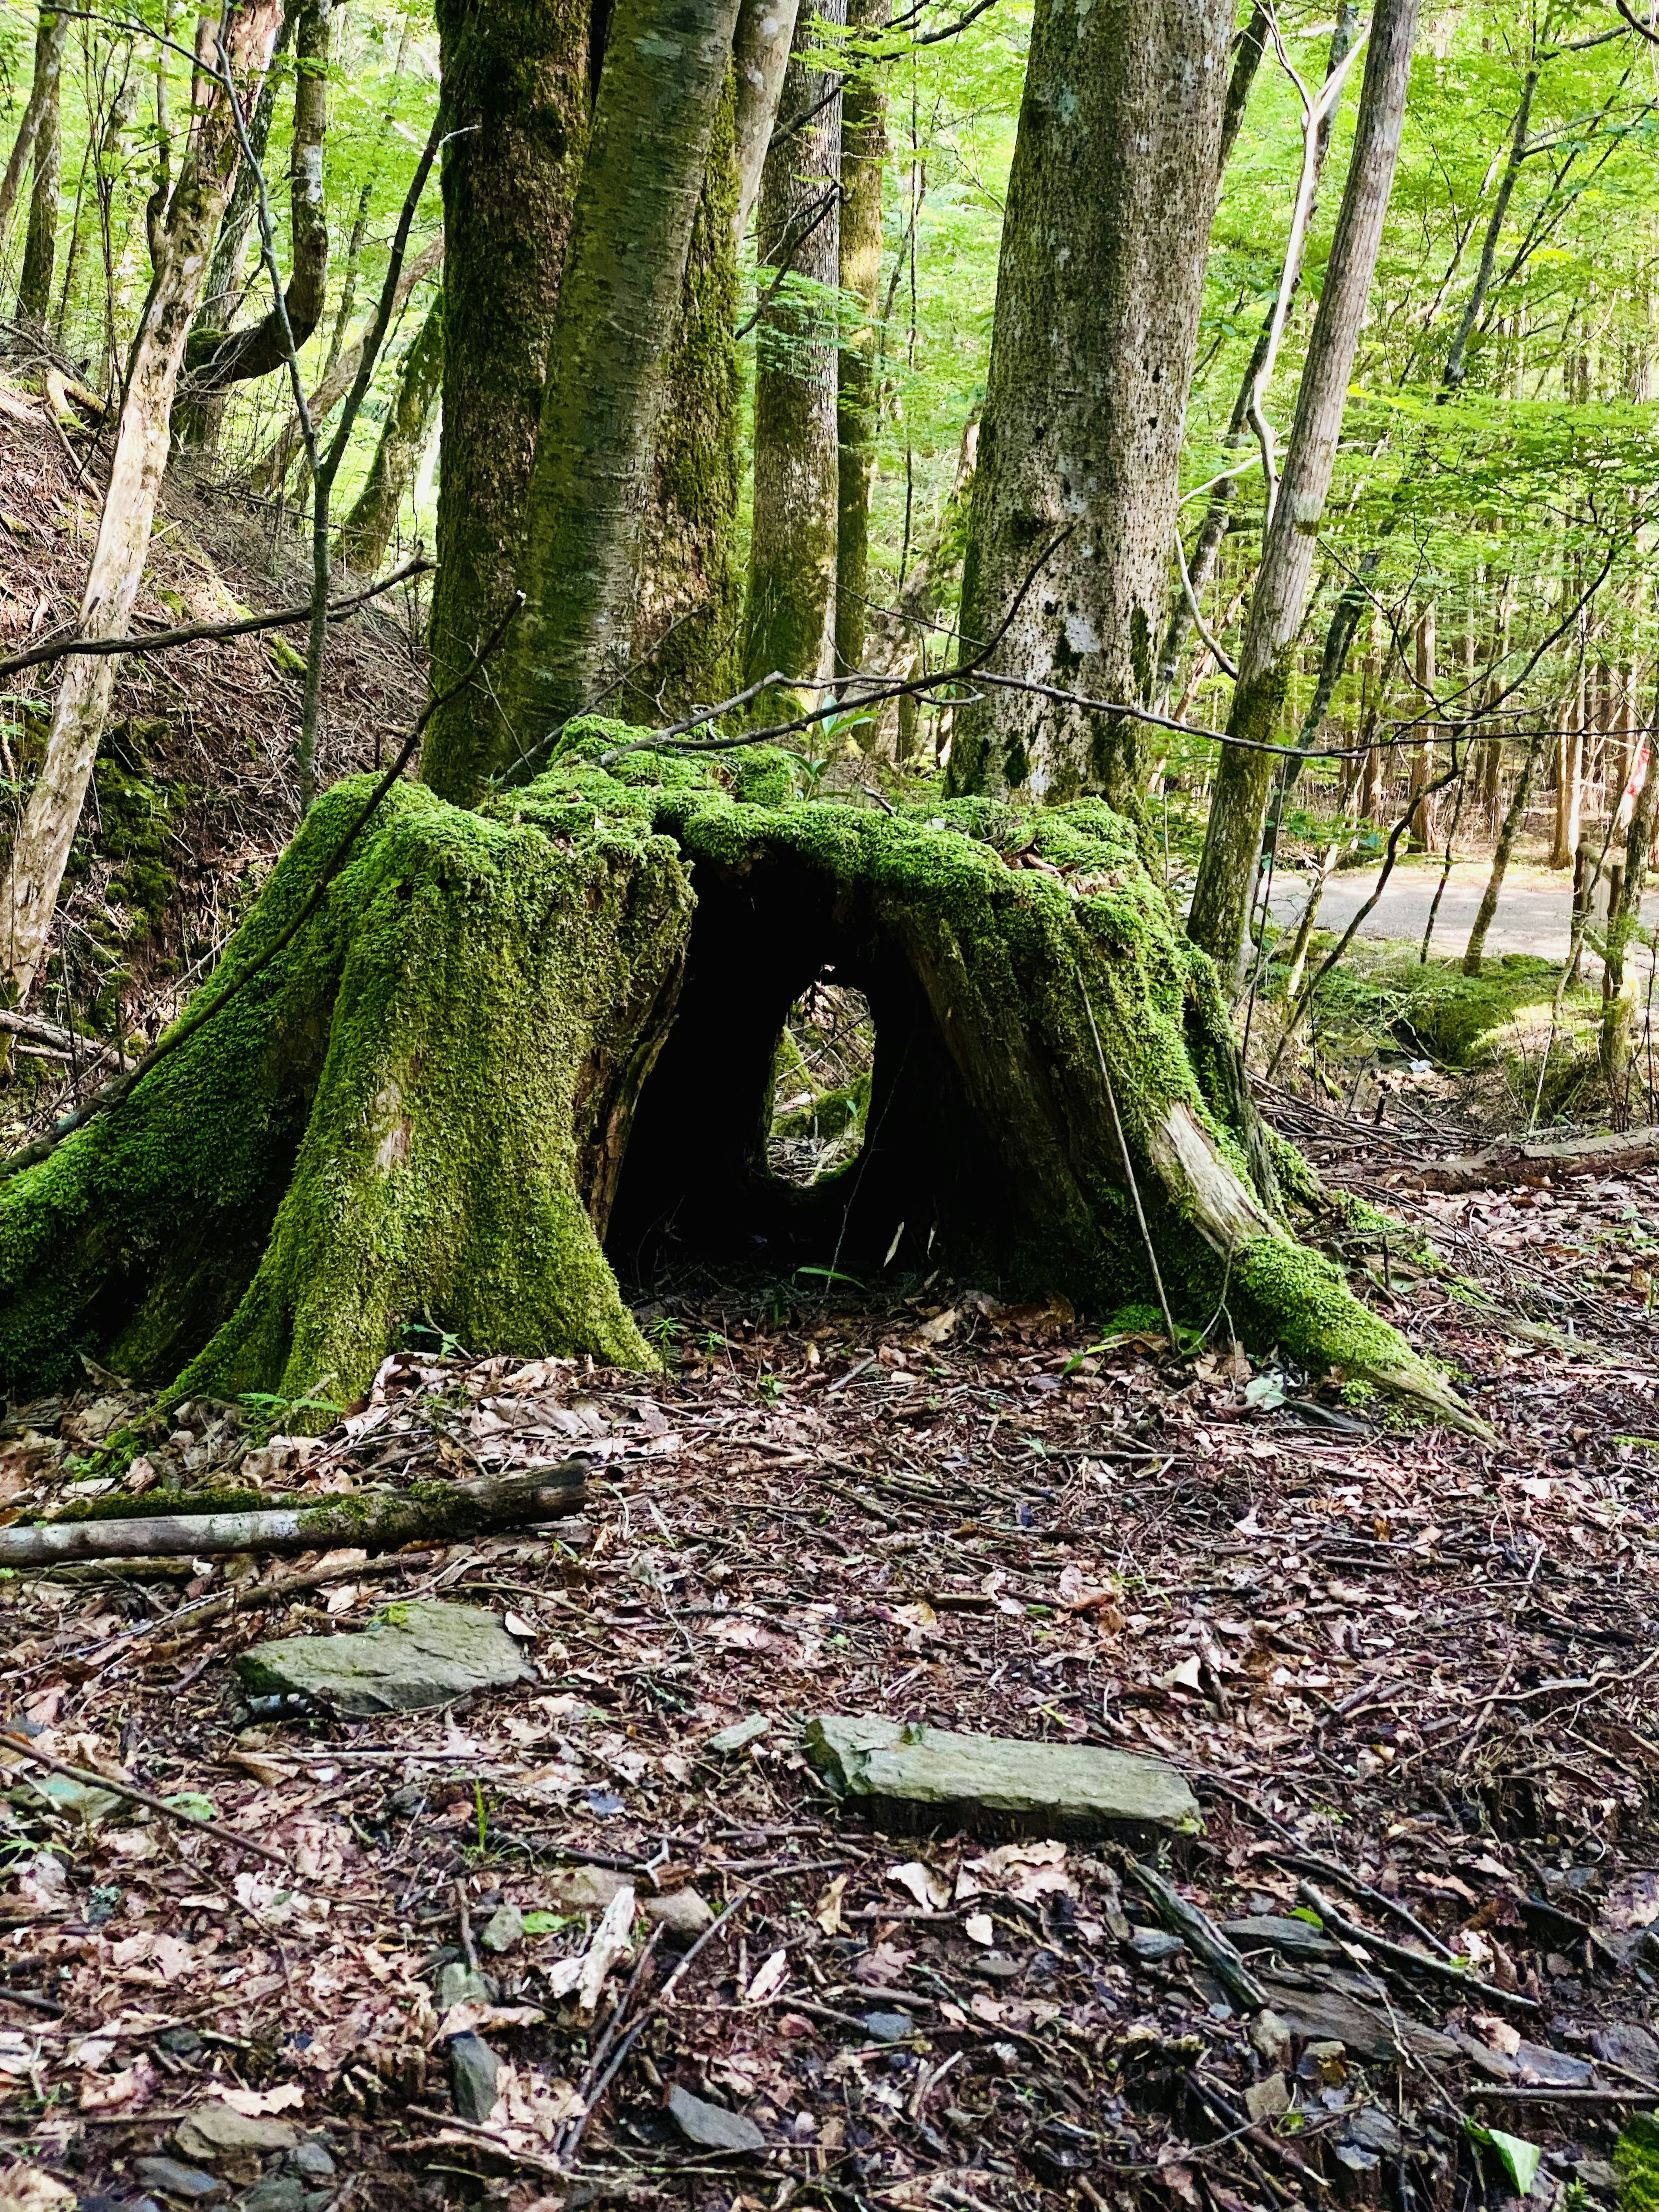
770, 1387
666, 1333
272, 1413
482, 1812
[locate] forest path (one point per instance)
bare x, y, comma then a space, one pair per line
1533, 914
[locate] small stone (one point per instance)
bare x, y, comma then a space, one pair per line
1623, 2043
1537, 2062
1374, 2129
1155, 1945
738, 1736
1598, 2174
278, 2192
178, 2042
584, 1888
998, 1967
1365, 2034
1267, 2099
172, 2179
311, 2160
1271, 2037
711, 2127
473, 2067
503, 1929
683, 1915
214, 2133
418, 1653
997, 1782
888, 2027
1283, 1932
460, 1984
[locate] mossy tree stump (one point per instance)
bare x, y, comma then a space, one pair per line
515, 1046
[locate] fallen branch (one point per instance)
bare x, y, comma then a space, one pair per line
1501, 1166
1199, 1932
366, 1520
163, 641
32, 1029
134, 1796
1401, 1954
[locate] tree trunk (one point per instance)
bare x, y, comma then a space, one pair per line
222, 290
368, 1520
619, 301
789, 622
29, 893
366, 531
863, 166
518, 81
215, 359
1099, 286
689, 597
1624, 915
458, 1073
268, 472
765, 33
1232, 838
1475, 951
1569, 778
50, 39
1420, 833
40, 244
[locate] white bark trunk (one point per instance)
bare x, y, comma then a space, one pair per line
48, 64
761, 51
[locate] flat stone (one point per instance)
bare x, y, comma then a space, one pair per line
1623, 2043
1373, 2129
1155, 1945
1537, 2061
215, 2132
1281, 1932
311, 2160
1326, 2016
1267, 2099
460, 1984
740, 1735
473, 2067
413, 1655
997, 1782
888, 2027
503, 1929
711, 2127
276, 2192
683, 1915
173, 2178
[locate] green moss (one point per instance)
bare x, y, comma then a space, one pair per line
122, 1507
1635, 2155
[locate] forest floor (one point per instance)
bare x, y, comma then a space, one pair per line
1409, 1676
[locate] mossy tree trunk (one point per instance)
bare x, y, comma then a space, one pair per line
863, 167
689, 594
518, 78
789, 623
1111, 201
1232, 837
51, 37
41, 242
510, 1031
366, 531
667, 64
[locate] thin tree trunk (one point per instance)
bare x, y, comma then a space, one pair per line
689, 605
666, 67
790, 620
1420, 835
765, 31
519, 81
1247, 51
51, 38
1227, 867
1475, 950
273, 465
1569, 778
224, 280
1624, 910
29, 893
1101, 280
863, 165
40, 244
366, 531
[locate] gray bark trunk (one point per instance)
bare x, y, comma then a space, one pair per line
1109, 206
665, 68
29, 893
790, 621
761, 50
1474, 952
1227, 867
863, 165
40, 244
224, 282
366, 531
49, 42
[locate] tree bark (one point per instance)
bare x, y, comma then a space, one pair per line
224, 280
1421, 834
51, 38
765, 31
368, 1520
1624, 914
1101, 279
215, 359
666, 68
789, 623
273, 465
863, 166
690, 597
518, 79
1227, 865
366, 531
29, 893
1474, 952
40, 243
1569, 778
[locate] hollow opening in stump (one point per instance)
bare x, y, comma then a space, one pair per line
788, 978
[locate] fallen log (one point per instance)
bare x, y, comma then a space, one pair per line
372, 1521
1503, 1166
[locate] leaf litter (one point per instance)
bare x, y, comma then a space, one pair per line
1412, 1957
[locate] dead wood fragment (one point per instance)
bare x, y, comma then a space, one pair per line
1500, 1166
1401, 1954
25, 1749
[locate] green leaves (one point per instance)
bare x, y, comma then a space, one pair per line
1519, 2158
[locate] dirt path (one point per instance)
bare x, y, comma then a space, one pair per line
1534, 914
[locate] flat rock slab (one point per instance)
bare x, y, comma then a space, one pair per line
996, 1785
1327, 2016
711, 2127
412, 1655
